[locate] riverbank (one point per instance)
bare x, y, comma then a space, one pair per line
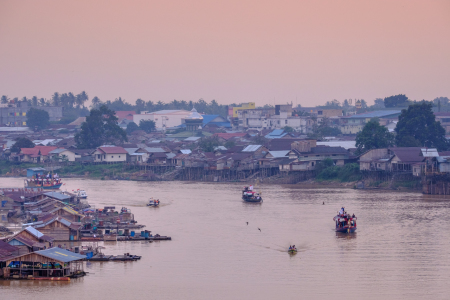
347, 176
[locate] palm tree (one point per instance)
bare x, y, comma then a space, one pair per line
34, 101
5, 99
81, 98
95, 102
71, 99
42, 102
55, 99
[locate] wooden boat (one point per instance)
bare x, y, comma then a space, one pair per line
292, 251
345, 223
248, 195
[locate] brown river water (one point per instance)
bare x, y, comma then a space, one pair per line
400, 251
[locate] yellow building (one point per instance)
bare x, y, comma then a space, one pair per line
250, 105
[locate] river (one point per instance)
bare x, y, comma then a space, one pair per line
401, 249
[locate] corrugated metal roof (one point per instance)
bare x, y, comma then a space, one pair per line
34, 232
192, 138
185, 151
431, 152
251, 148
131, 150
60, 254
375, 114
65, 222
154, 150
278, 154
57, 195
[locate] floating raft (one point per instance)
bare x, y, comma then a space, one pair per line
52, 278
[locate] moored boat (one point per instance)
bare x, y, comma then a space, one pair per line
345, 223
249, 195
81, 194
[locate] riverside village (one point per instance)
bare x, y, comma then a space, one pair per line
48, 232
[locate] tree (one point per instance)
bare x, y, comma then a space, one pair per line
378, 103
323, 129
99, 129
147, 125
4, 99
21, 143
131, 127
417, 127
37, 118
288, 129
207, 144
374, 136
96, 102
396, 101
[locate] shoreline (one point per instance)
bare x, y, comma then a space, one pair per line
307, 184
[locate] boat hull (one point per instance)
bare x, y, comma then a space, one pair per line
345, 230
252, 200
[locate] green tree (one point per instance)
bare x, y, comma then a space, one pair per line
207, 144
288, 129
323, 129
21, 143
148, 125
37, 118
374, 136
99, 129
417, 127
396, 101
4, 99
131, 127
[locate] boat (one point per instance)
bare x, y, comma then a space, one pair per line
153, 202
81, 194
249, 195
292, 250
345, 223
45, 183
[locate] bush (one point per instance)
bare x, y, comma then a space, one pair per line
348, 172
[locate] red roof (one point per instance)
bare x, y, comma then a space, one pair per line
44, 150
113, 150
124, 114
227, 136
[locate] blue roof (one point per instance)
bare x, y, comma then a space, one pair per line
60, 254
276, 134
375, 114
209, 118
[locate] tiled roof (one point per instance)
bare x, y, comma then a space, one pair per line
113, 150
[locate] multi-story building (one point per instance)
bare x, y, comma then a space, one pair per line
15, 114
163, 118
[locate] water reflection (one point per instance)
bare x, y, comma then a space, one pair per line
399, 252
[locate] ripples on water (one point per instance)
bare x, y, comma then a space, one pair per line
401, 249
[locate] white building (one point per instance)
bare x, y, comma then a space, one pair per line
110, 154
163, 118
63, 154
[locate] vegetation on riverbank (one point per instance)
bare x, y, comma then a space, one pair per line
326, 170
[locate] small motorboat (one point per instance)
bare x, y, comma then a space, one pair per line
249, 195
153, 202
345, 223
292, 250
82, 194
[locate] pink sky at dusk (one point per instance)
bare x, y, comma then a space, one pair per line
232, 51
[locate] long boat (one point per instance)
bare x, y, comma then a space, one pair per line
345, 223
46, 184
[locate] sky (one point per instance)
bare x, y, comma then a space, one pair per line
233, 51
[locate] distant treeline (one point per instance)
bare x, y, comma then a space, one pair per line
74, 104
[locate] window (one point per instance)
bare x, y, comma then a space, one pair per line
285, 121
99, 156
312, 164
24, 114
119, 156
24, 123
112, 156
104, 156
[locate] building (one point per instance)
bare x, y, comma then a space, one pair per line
15, 114
396, 159
37, 154
53, 262
233, 111
194, 121
354, 124
110, 154
62, 154
163, 118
